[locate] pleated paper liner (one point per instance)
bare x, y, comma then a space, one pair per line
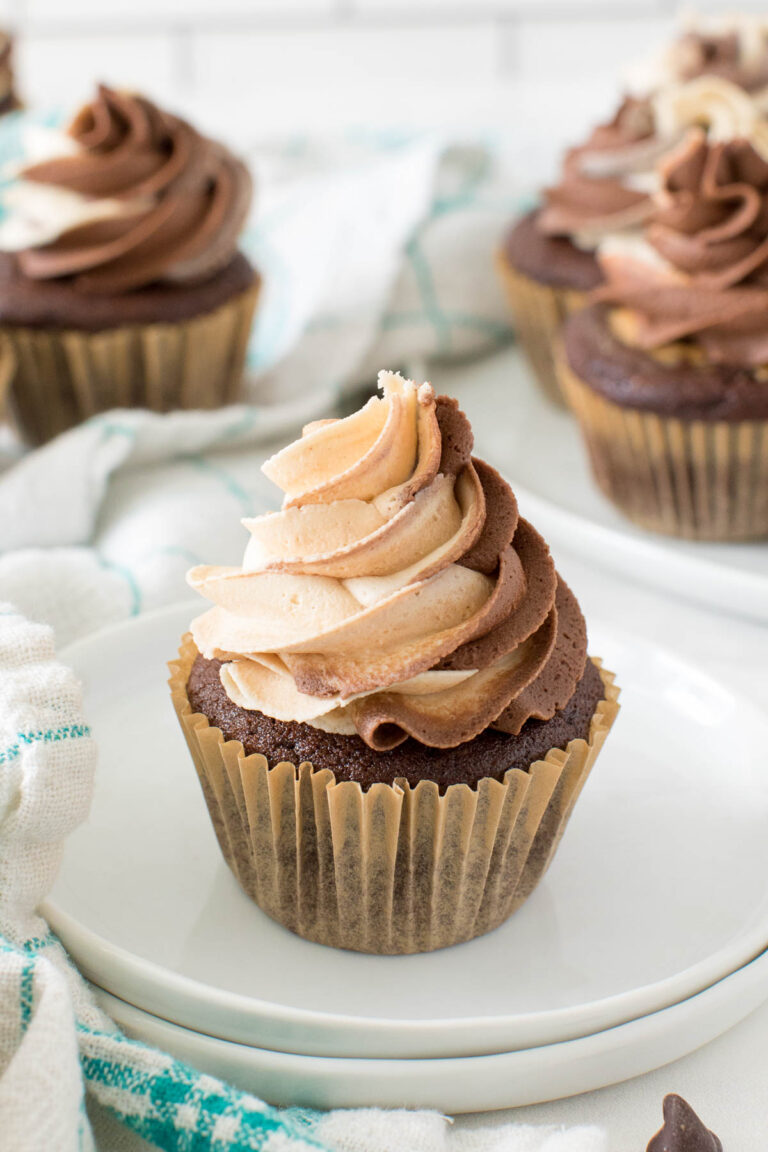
697, 479
393, 869
539, 311
63, 376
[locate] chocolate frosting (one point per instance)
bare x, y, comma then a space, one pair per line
177, 200
702, 53
444, 620
710, 229
683, 1131
593, 195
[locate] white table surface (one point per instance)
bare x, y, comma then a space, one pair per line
727, 1080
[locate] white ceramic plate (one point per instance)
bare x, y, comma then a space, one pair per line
659, 889
538, 446
474, 1084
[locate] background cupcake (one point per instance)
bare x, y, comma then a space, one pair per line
9, 100
390, 706
666, 372
548, 259
120, 280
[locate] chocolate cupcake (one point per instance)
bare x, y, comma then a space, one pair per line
548, 259
390, 706
9, 100
667, 371
121, 284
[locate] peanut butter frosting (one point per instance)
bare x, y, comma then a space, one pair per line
135, 196
398, 592
699, 271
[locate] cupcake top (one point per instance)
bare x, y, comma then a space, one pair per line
131, 196
698, 272
608, 183
601, 185
732, 47
8, 99
398, 592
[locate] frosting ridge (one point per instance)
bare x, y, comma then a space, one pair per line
139, 197
398, 593
700, 270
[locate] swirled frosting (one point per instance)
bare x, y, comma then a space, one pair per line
700, 271
397, 593
602, 186
732, 47
138, 197
7, 95
609, 183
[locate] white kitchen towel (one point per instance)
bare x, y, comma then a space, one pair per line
372, 248
55, 1045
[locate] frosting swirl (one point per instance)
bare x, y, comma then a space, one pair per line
609, 183
601, 188
398, 593
138, 198
733, 48
701, 269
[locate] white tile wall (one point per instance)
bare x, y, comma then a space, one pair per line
542, 69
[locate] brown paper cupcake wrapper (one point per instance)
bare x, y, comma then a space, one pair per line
394, 869
538, 312
63, 376
703, 480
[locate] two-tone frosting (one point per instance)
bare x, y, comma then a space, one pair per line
133, 196
699, 270
398, 592
732, 47
603, 184
7, 94
606, 183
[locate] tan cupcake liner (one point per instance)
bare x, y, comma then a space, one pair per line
394, 869
699, 479
60, 377
539, 312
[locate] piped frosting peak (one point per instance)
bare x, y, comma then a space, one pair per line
397, 593
131, 196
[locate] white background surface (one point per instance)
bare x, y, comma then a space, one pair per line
539, 70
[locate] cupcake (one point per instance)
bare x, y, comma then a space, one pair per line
9, 101
667, 370
731, 47
390, 705
548, 258
121, 284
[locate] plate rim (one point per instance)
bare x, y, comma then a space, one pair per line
739, 994
733, 583
115, 968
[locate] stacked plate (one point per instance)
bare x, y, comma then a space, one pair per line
639, 945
